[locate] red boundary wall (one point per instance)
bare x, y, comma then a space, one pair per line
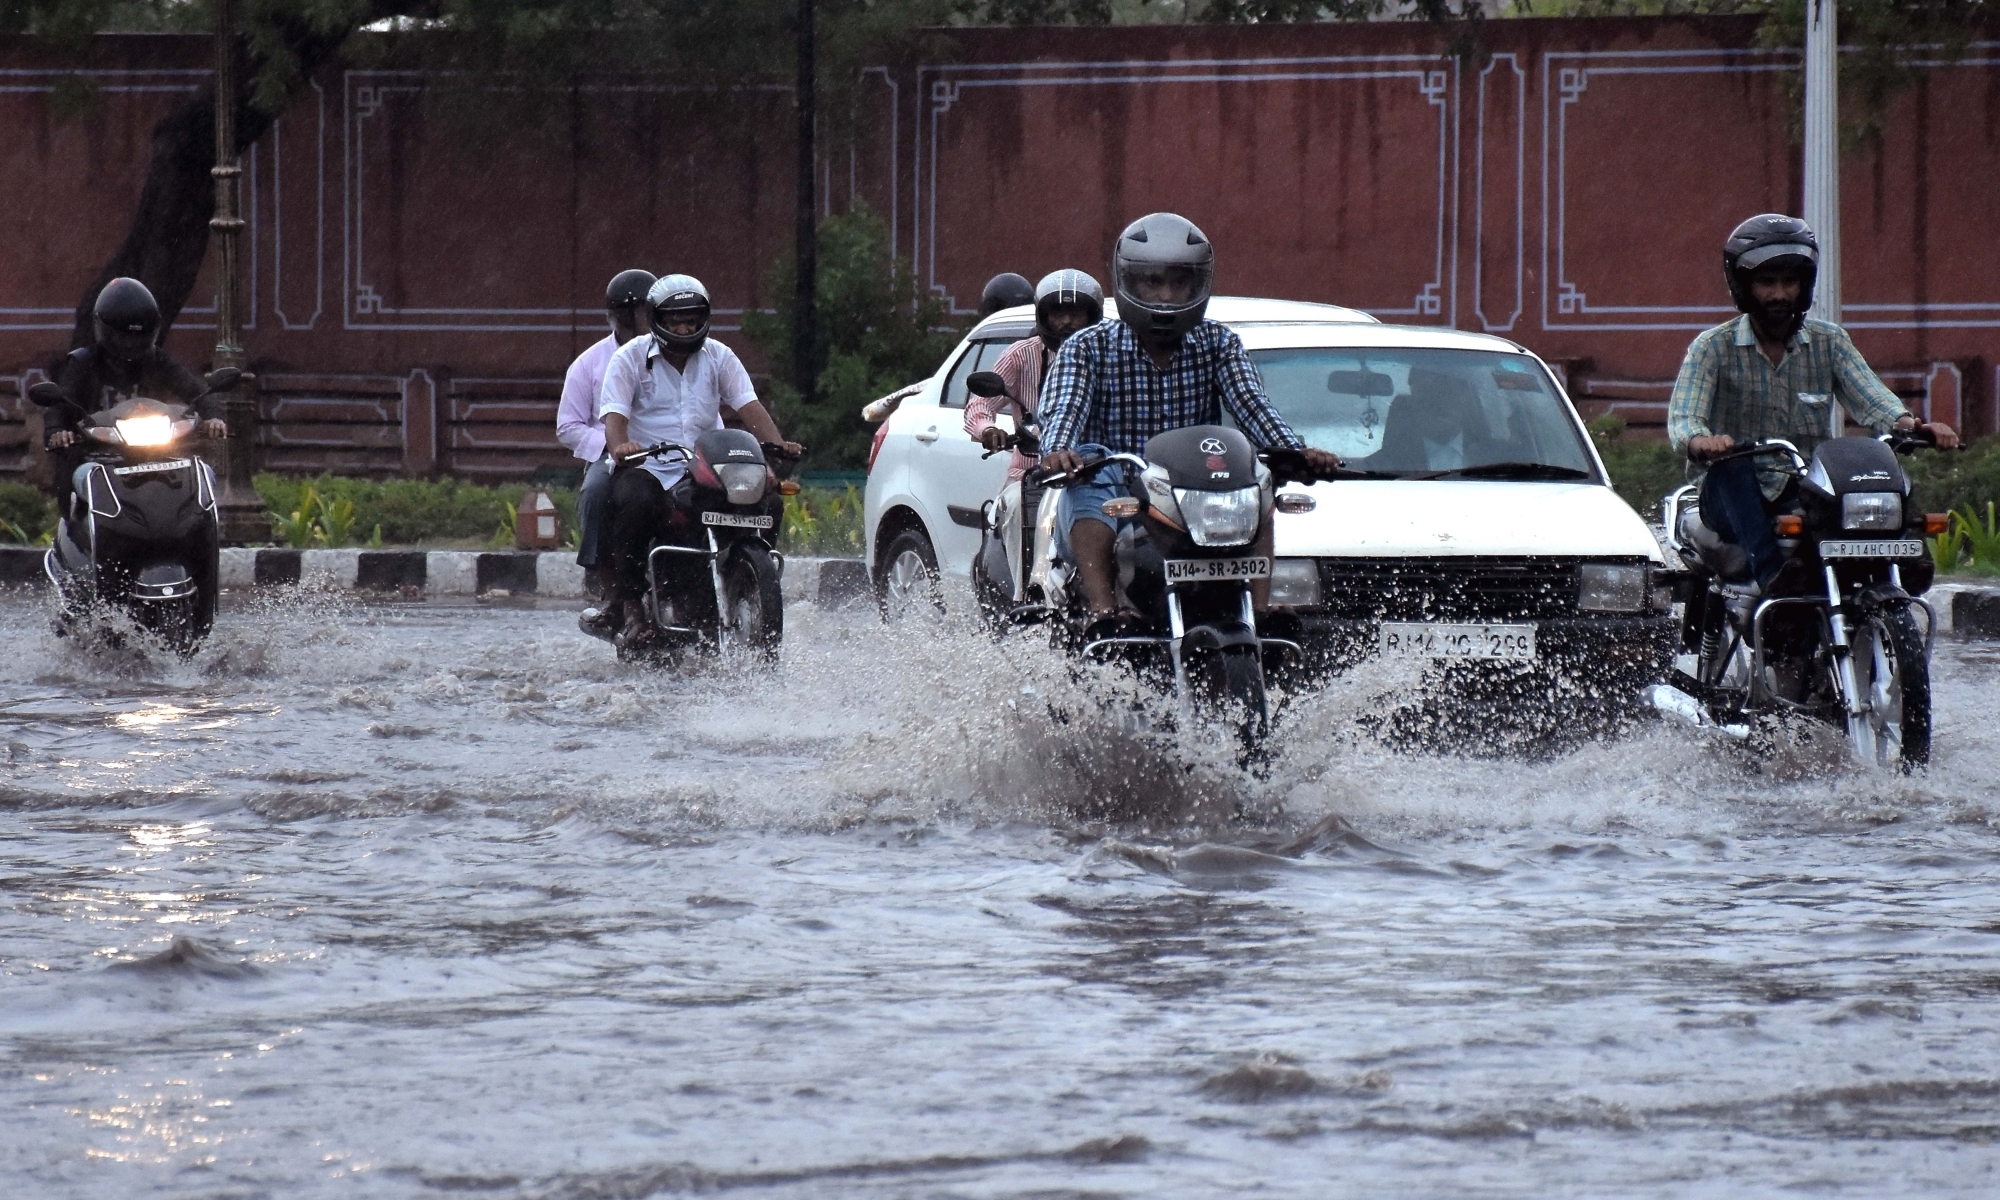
415, 285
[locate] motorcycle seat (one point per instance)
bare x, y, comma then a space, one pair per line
1709, 550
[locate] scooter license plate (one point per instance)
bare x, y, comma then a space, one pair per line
737, 520
1421, 639
172, 464
1198, 570
1908, 548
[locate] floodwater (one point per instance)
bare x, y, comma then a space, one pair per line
411, 901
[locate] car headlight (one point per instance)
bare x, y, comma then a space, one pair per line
1871, 510
153, 429
743, 481
1295, 582
1219, 518
1611, 587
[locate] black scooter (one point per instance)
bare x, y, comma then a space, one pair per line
1836, 635
713, 574
141, 532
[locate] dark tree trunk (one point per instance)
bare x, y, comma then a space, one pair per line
805, 300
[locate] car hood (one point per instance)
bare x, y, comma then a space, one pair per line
1432, 518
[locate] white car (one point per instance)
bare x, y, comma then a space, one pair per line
1484, 525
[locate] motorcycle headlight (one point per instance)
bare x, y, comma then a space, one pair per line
1871, 510
152, 429
744, 482
1219, 518
1611, 587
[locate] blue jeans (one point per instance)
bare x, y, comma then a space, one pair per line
1085, 501
590, 499
1732, 504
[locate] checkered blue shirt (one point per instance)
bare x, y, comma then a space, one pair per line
1104, 389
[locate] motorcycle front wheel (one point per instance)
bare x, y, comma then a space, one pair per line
1892, 676
753, 608
1234, 677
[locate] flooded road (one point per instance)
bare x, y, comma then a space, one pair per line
418, 901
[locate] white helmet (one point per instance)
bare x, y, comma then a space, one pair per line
1163, 249
678, 294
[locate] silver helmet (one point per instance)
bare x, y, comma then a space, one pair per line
678, 294
1067, 286
1162, 271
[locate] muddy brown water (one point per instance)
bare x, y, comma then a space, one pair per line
411, 901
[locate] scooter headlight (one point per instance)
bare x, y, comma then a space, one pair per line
744, 482
1219, 518
152, 429
1871, 510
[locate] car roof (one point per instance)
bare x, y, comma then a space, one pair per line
1387, 337
1237, 312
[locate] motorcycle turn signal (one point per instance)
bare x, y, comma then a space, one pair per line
1936, 523
1122, 506
1790, 525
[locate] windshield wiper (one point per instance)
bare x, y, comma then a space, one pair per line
1507, 470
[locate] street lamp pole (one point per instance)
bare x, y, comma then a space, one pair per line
1822, 163
241, 512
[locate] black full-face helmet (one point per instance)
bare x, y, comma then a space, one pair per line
126, 319
1162, 271
624, 297
678, 296
1066, 287
1006, 290
1771, 239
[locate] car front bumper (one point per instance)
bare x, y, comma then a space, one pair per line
1638, 648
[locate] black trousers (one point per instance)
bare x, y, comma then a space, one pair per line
639, 510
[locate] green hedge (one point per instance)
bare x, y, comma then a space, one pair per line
1643, 472
25, 514
413, 512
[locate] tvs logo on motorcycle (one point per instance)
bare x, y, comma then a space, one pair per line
1212, 446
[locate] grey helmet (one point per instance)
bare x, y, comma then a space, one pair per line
678, 294
1067, 286
1170, 244
1761, 241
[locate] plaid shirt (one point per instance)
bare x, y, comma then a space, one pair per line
1104, 389
1726, 385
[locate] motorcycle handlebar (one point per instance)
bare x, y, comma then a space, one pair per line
1758, 449
1061, 479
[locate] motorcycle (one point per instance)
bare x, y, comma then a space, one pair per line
1001, 569
713, 574
1835, 636
141, 533
1186, 569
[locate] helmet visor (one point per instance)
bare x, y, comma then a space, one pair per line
1757, 256
1164, 287
128, 344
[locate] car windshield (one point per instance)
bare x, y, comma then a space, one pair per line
1410, 412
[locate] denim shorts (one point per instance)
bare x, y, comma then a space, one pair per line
1085, 501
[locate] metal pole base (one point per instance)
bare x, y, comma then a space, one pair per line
241, 512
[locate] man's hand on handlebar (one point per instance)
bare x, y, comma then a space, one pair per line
61, 439
1944, 435
1709, 445
792, 450
624, 450
1323, 462
1061, 462
993, 438
215, 427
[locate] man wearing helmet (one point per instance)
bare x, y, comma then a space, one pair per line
670, 387
1770, 373
1160, 366
126, 360
1065, 302
577, 424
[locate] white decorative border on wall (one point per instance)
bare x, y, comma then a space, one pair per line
167, 80
940, 87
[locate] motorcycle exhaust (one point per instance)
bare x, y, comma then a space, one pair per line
1670, 701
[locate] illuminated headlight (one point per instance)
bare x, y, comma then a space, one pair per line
1219, 518
153, 429
1871, 510
743, 481
1295, 583
1610, 587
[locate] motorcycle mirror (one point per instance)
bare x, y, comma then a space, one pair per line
1360, 383
46, 394
986, 383
223, 379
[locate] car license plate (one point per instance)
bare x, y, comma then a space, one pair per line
172, 464
1196, 570
737, 520
1412, 639
1908, 548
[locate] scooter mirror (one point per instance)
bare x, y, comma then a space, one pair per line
986, 383
222, 379
46, 394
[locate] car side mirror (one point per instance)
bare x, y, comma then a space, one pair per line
986, 383
223, 379
46, 394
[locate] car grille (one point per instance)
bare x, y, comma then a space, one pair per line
1448, 589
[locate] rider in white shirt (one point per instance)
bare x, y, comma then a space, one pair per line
578, 426
670, 387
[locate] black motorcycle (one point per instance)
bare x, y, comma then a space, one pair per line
141, 532
713, 573
1835, 636
1186, 569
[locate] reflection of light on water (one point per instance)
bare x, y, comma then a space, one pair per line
166, 837
151, 717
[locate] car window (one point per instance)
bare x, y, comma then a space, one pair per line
979, 357
1409, 411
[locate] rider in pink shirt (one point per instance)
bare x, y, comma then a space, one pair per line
1065, 301
578, 427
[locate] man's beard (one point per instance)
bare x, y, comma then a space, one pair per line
1779, 318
